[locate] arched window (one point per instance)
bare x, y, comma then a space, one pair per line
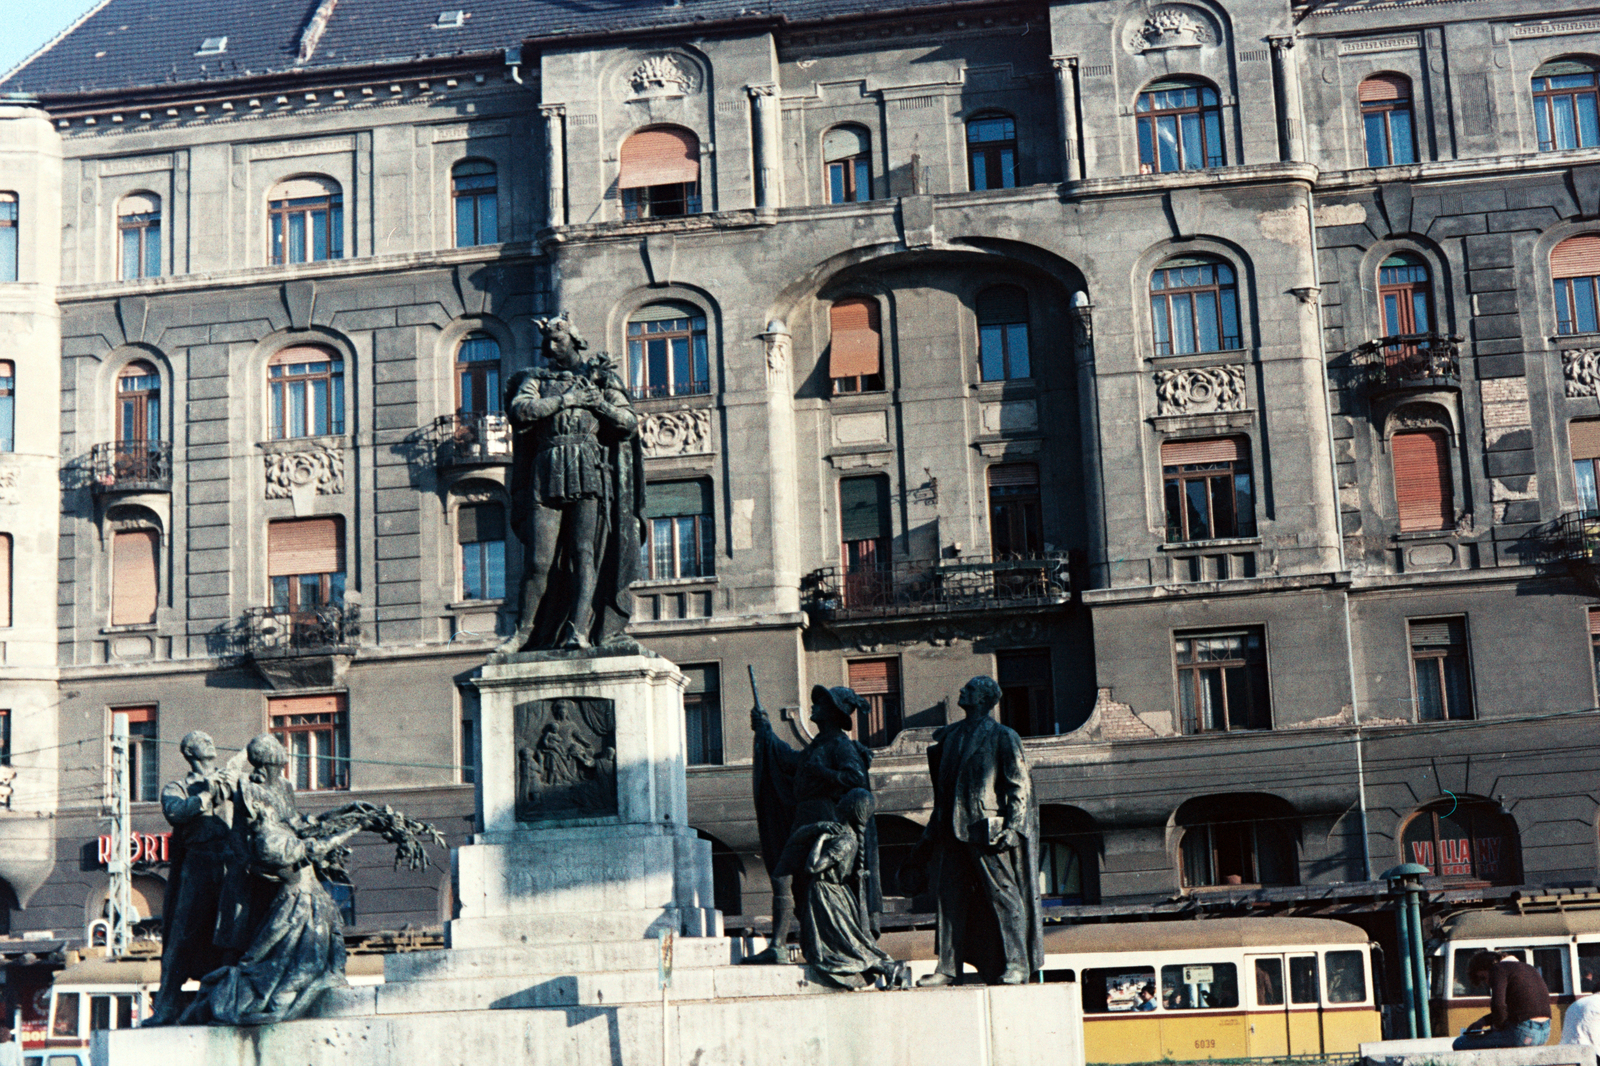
855, 345
1406, 292
1423, 487
305, 392
478, 375
667, 351
1180, 126
1003, 333
1244, 839
1386, 114
992, 151
1069, 859
139, 233
1564, 104
473, 187
481, 532
1464, 837
847, 157
1575, 269
138, 403
1194, 306
305, 218
660, 173
135, 585
8, 236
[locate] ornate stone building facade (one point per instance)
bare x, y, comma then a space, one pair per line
1218, 377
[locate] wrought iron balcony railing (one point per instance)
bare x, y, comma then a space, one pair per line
131, 466
971, 583
1411, 360
471, 438
1575, 537
271, 632
677, 388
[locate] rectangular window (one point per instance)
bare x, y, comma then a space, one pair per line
481, 532
8, 406
1422, 482
470, 716
864, 537
1594, 645
679, 534
5, 737
1441, 668
855, 346
307, 397
668, 353
1346, 977
1200, 986
1027, 696
878, 682
144, 753
1209, 493
315, 731
1117, 990
305, 563
8, 236
1222, 680
702, 714
1016, 526
135, 587
307, 229
5, 580
1584, 437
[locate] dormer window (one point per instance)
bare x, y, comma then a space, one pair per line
212, 46
451, 20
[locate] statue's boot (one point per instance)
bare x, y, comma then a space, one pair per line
777, 952
935, 980
1014, 975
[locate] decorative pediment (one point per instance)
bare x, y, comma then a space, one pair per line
663, 75
1173, 26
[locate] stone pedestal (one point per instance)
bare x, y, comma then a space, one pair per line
569, 851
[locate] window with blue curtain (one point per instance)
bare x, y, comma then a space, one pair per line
1575, 272
667, 352
305, 391
1387, 120
481, 533
478, 375
1406, 292
8, 406
139, 229
305, 221
1194, 306
1565, 111
847, 157
992, 152
8, 236
1003, 333
474, 187
1180, 127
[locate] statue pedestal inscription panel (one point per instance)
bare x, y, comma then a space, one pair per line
584, 809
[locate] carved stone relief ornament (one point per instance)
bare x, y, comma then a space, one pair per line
298, 475
1175, 26
675, 433
1200, 390
1581, 368
1415, 416
662, 75
566, 759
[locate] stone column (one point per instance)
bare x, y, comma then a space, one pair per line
782, 477
1067, 114
1082, 312
1286, 79
555, 162
765, 99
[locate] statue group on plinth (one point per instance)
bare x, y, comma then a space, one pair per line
246, 911
979, 853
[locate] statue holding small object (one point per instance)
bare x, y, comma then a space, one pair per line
982, 845
796, 789
577, 496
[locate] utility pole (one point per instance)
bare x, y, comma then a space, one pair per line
120, 865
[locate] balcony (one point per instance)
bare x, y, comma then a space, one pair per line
973, 583
470, 438
676, 388
275, 633
131, 466
1573, 538
1411, 361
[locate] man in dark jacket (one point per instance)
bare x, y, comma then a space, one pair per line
983, 841
1519, 1004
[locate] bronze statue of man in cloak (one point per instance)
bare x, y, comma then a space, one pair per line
577, 496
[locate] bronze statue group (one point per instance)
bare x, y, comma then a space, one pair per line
979, 853
246, 914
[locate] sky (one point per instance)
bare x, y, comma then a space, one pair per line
31, 23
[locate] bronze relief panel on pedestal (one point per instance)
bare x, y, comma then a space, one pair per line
566, 758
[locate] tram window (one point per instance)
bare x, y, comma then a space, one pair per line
1347, 979
1463, 985
1199, 986
1115, 991
1589, 966
1269, 982
66, 1014
1551, 963
1303, 979
1057, 976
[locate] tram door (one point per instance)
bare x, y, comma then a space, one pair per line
1284, 1019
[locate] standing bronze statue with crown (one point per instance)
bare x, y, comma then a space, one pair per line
577, 496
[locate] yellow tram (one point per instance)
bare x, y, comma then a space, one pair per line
1563, 946
1223, 988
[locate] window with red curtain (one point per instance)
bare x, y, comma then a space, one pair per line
878, 682
134, 576
855, 346
1575, 272
660, 173
1422, 484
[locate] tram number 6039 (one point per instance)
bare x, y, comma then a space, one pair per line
1205, 1043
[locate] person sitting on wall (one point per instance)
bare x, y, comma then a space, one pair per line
1519, 1004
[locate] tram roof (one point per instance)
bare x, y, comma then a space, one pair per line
1472, 925
1165, 936
111, 972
